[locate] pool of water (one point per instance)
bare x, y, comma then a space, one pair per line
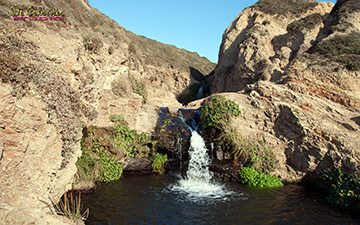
154, 199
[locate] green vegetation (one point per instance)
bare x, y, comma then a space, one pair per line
284, 7
265, 22
116, 118
337, 28
342, 48
343, 190
307, 23
158, 164
247, 152
95, 165
100, 154
218, 111
249, 176
110, 169
347, 7
215, 117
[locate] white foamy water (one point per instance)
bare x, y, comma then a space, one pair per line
198, 185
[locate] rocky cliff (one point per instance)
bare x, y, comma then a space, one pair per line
58, 76
294, 68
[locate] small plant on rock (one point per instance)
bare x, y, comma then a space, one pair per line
251, 177
158, 164
217, 112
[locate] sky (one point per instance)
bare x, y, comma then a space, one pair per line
195, 25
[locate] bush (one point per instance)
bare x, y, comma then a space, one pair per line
129, 141
342, 190
265, 22
110, 169
218, 111
95, 165
158, 164
116, 118
249, 176
97, 161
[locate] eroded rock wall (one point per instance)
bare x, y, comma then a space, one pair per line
303, 105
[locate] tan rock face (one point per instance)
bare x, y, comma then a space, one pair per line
304, 106
257, 46
30, 159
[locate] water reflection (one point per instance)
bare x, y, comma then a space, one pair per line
149, 200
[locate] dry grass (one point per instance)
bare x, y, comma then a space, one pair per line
247, 152
284, 7
71, 207
307, 23
342, 48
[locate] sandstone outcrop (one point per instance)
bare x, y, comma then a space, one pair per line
298, 95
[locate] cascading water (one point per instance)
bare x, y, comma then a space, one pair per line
197, 184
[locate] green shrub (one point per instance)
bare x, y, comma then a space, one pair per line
336, 28
86, 166
343, 190
129, 140
97, 161
218, 111
158, 164
110, 169
95, 165
249, 176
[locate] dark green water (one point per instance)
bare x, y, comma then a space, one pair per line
150, 199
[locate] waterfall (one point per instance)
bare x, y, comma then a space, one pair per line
199, 160
197, 184
200, 93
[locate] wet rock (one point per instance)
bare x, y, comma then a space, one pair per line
173, 134
136, 164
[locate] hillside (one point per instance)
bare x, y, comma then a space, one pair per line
293, 67
60, 76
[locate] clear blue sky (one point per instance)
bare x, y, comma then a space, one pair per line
195, 25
